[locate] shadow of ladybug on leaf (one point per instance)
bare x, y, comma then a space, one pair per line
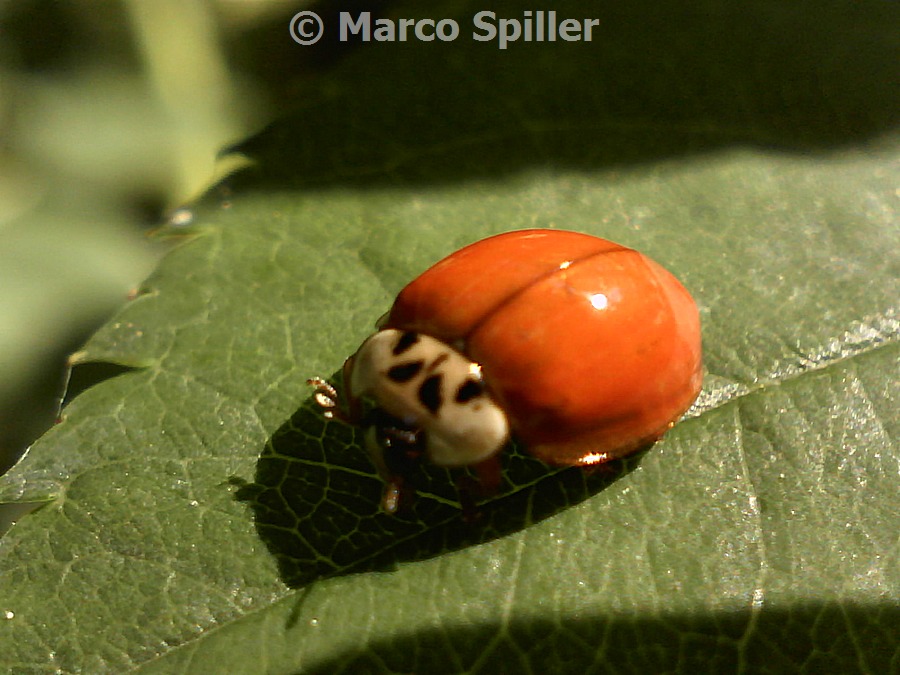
316, 501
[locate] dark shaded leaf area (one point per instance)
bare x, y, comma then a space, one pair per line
812, 638
658, 80
316, 501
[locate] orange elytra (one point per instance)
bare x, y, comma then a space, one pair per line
582, 349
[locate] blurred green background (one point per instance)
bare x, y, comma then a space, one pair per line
112, 114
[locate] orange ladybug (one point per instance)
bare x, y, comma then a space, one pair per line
582, 349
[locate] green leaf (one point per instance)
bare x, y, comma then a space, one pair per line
45, 316
202, 515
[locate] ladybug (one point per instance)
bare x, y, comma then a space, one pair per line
581, 348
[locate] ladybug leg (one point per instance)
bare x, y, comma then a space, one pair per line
471, 490
393, 495
490, 474
391, 498
398, 495
396, 451
467, 489
375, 449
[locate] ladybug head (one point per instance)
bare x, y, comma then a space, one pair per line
429, 388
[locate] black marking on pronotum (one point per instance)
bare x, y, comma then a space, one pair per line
407, 340
438, 361
405, 371
430, 393
468, 390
